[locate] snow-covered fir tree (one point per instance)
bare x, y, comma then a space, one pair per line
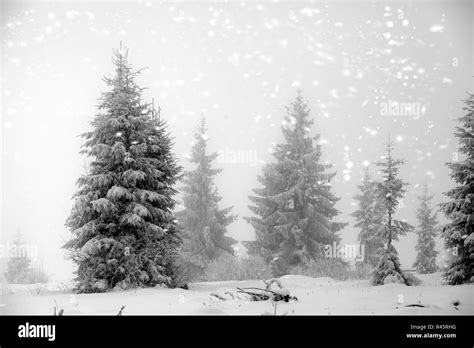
295, 207
459, 233
390, 191
426, 254
124, 231
369, 217
202, 223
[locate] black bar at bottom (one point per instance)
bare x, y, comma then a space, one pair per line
430, 331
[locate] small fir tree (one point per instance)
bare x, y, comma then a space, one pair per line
19, 264
390, 191
369, 218
426, 254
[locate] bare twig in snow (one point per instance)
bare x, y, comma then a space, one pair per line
218, 296
121, 309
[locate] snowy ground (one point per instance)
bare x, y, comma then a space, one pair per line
320, 296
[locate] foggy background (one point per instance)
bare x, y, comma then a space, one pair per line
239, 64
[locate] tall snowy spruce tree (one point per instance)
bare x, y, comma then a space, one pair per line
459, 233
203, 224
369, 216
390, 191
124, 231
426, 257
295, 207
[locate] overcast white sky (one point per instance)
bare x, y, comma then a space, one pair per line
238, 63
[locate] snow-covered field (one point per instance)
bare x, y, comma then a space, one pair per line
316, 296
